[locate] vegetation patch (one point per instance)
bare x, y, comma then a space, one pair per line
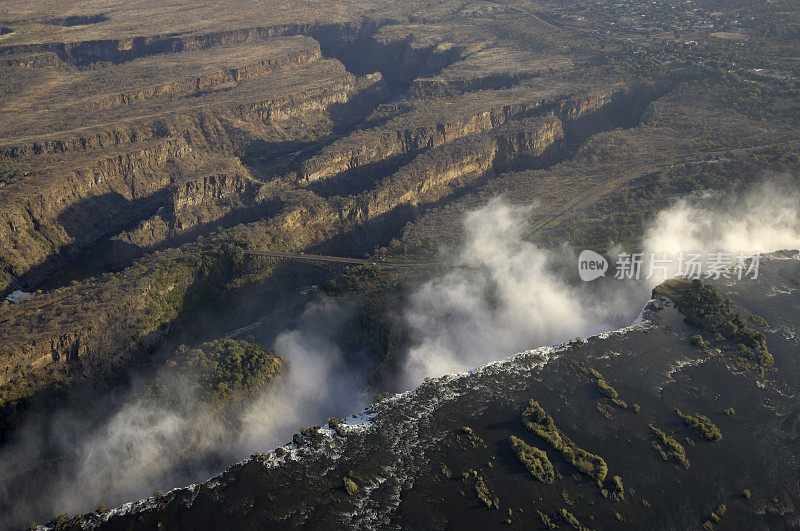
570, 519
716, 516
619, 490
484, 494
465, 439
350, 486
606, 389
674, 449
336, 425
534, 459
604, 410
9, 174
546, 521
704, 307
540, 423
215, 373
703, 425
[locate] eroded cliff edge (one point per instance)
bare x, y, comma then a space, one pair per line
440, 455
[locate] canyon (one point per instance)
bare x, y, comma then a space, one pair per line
144, 148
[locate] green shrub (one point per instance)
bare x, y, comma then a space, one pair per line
746, 352
570, 519
703, 425
534, 459
546, 522
619, 403
216, 372
765, 358
657, 447
537, 421
9, 174
619, 489
674, 448
350, 486
718, 514
698, 341
484, 494
606, 389
604, 410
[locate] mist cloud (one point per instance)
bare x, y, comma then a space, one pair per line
321, 381
761, 219
143, 447
504, 295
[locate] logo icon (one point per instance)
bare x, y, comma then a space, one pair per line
591, 265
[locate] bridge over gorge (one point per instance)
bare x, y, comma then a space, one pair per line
326, 259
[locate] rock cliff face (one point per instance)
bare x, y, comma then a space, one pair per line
436, 173
378, 144
383, 142
219, 80
60, 216
66, 210
169, 202
205, 199
128, 49
201, 124
280, 137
